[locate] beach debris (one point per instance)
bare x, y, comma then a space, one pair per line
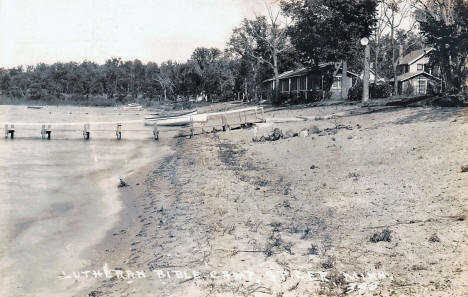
329, 263
304, 133
385, 235
122, 183
313, 250
95, 293
289, 133
277, 134
314, 129
464, 168
418, 267
434, 238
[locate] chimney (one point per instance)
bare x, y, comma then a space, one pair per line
400, 52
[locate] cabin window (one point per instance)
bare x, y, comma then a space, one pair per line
336, 82
422, 86
312, 82
285, 85
302, 84
420, 67
293, 84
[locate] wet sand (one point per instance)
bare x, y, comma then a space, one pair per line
279, 210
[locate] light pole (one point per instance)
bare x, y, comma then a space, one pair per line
365, 79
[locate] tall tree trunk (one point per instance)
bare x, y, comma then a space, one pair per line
376, 66
465, 87
275, 70
394, 67
245, 91
344, 80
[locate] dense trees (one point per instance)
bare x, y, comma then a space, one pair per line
316, 31
209, 75
329, 30
263, 41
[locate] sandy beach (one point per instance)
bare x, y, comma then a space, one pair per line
371, 204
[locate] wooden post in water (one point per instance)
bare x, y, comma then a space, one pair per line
46, 131
86, 132
118, 131
224, 123
156, 132
10, 129
192, 132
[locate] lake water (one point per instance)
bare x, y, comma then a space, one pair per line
59, 197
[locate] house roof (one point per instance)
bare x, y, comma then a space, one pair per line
414, 56
379, 78
410, 75
302, 71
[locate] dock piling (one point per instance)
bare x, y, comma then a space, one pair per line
10, 130
118, 131
86, 132
46, 131
156, 132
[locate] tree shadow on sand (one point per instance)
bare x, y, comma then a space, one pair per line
434, 115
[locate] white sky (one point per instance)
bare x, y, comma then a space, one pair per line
33, 31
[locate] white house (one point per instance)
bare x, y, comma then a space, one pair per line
416, 76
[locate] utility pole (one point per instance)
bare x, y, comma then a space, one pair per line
365, 79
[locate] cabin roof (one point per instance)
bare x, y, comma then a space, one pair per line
410, 75
302, 71
414, 56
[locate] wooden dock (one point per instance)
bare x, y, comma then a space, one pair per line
225, 121
215, 122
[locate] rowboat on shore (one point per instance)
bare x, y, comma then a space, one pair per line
181, 120
160, 115
133, 106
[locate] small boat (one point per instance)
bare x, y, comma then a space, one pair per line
173, 113
35, 107
133, 107
182, 121
169, 116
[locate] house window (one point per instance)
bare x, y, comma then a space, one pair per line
302, 84
336, 82
420, 67
294, 84
422, 86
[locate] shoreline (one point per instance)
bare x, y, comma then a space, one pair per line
111, 249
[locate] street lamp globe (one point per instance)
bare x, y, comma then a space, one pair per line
364, 41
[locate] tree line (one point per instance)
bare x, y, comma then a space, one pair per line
300, 33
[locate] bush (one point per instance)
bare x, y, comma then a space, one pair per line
355, 92
380, 90
297, 98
